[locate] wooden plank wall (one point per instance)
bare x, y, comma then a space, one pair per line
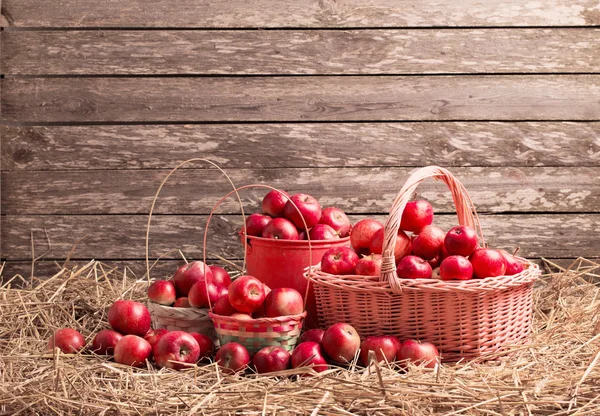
340, 99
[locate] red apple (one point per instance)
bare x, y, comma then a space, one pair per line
220, 277
302, 235
162, 292
341, 342
256, 223
223, 307
182, 302
274, 202
362, 233
246, 294
280, 229
323, 232
339, 260
67, 340
419, 353
312, 335
336, 219
205, 343
283, 301
385, 348
456, 268
403, 244
202, 292
309, 354
105, 341
414, 267
129, 317
487, 263
176, 349
188, 274
306, 207
232, 357
513, 265
132, 350
369, 265
271, 359
429, 242
461, 241
154, 335
416, 215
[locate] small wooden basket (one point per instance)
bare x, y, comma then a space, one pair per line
464, 319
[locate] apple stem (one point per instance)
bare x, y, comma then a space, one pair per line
516, 250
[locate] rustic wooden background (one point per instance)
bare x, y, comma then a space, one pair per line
339, 99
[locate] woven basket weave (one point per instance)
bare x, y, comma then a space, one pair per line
181, 319
464, 319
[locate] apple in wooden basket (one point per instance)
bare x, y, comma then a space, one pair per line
362, 233
256, 223
105, 341
283, 301
206, 344
414, 267
420, 353
220, 276
280, 229
312, 335
232, 357
429, 242
176, 349
129, 317
274, 202
369, 265
416, 215
246, 294
336, 219
309, 354
513, 265
68, 340
487, 263
461, 241
339, 261
154, 335
223, 307
323, 232
188, 274
341, 342
162, 292
403, 244
306, 207
385, 348
133, 351
271, 359
456, 268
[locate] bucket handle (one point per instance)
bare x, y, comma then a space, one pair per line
236, 190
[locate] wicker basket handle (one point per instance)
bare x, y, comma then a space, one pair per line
465, 210
236, 191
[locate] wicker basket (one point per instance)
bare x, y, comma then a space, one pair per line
181, 319
464, 319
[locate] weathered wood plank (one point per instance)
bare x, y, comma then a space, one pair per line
122, 236
331, 144
330, 98
302, 13
300, 52
355, 190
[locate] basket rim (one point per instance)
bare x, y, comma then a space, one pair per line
254, 321
294, 242
183, 311
358, 283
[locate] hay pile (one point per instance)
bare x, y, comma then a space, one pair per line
557, 374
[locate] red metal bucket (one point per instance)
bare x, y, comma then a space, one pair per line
281, 263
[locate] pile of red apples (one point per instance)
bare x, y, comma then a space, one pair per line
423, 250
296, 217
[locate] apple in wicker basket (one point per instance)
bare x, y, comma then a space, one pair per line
246, 294
68, 340
403, 244
129, 317
513, 265
339, 260
414, 267
188, 274
105, 341
271, 359
416, 215
162, 292
232, 358
362, 233
487, 263
309, 354
385, 348
223, 307
428, 242
283, 301
341, 342
420, 353
336, 219
201, 291
369, 265
456, 268
461, 240
220, 276
182, 302
176, 350
133, 350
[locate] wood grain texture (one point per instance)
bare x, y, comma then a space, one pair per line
302, 13
330, 98
122, 236
355, 190
331, 144
300, 52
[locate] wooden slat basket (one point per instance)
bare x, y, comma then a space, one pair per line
464, 319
